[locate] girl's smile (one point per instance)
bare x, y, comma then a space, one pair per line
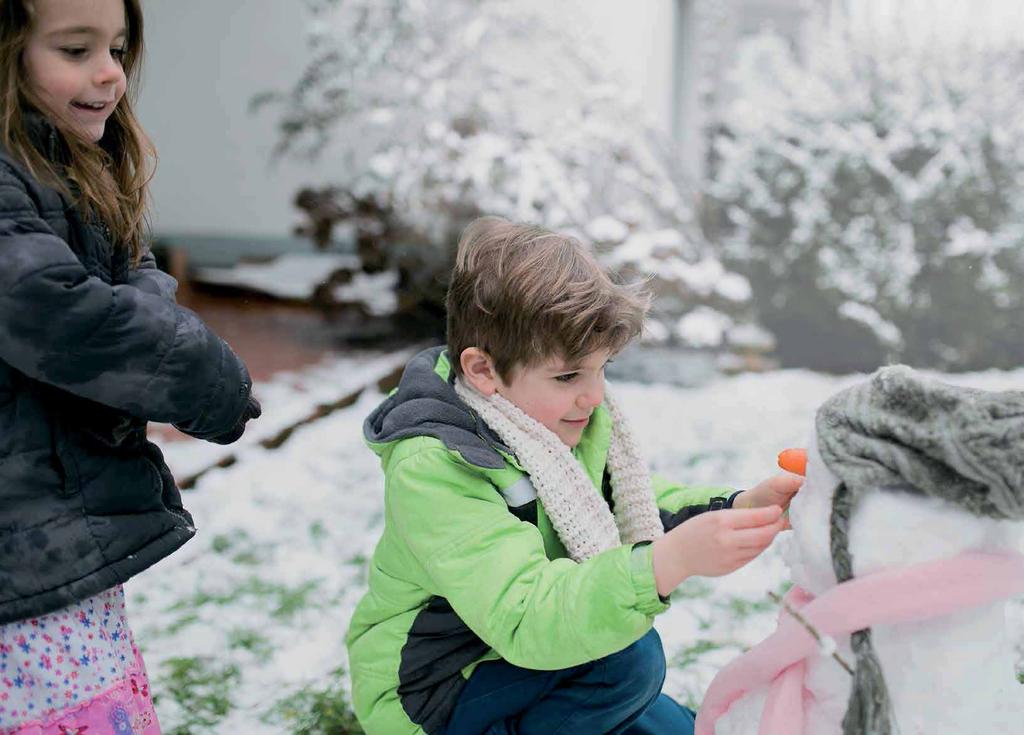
73, 59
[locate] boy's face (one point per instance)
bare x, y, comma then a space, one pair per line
560, 396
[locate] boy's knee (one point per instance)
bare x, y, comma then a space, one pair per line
639, 668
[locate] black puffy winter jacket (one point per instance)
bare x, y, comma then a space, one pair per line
90, 350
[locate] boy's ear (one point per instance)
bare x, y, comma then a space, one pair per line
478, 370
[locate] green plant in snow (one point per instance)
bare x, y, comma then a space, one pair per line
689, 655
323, 711
201, 688
283, 600
249, 640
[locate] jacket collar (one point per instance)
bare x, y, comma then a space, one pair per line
44, 136
426, 404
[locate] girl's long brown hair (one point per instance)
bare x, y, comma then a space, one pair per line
109, 179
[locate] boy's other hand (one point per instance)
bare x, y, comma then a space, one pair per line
713, 544
776, 490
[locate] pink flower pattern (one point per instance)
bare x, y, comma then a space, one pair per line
75, 671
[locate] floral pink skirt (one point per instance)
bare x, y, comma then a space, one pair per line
75, 671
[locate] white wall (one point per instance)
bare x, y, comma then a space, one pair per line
207, 58
639, 38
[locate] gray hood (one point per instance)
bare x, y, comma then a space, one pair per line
426, 404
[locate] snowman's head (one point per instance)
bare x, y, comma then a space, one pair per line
888, 529
934, 470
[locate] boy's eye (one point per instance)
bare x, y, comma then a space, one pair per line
567, 378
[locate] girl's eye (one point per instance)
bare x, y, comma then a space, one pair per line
75, 52
117, 54
567, 378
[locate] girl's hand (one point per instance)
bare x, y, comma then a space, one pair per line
713, 544
777, 490
252, 410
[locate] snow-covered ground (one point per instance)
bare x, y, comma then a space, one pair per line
243, 628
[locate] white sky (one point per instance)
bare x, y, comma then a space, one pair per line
949, 19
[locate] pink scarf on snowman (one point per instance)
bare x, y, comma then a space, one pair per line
928, 590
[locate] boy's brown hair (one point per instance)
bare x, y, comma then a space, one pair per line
111, 177
523, 295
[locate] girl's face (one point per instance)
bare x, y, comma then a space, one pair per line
73, 61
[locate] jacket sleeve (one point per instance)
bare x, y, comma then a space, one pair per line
147, 277
119, 345
491, 567
678, 503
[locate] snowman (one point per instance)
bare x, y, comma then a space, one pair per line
906, 545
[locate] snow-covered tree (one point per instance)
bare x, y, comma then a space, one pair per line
873, 192
438, 111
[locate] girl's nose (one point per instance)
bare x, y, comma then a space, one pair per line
109, 72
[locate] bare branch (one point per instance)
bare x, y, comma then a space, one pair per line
810, 629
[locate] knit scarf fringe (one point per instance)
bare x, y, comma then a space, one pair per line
577, 511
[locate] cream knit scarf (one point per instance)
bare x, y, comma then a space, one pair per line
578, 513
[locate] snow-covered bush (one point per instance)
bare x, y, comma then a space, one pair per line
873, 193
438, 111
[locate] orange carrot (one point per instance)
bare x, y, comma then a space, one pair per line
793, 460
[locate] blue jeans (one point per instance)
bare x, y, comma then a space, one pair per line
619, 694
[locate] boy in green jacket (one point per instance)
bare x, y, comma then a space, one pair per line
526, 548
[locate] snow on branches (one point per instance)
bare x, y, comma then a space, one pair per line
438, 111
873, 191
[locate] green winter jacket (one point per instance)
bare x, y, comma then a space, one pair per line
470, 569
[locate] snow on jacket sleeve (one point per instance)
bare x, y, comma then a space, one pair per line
491, 567
118, 345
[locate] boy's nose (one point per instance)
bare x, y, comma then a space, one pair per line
591, 398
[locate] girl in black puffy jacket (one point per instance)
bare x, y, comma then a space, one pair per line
92, 346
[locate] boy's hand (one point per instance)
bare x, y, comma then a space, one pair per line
777, 490
713, 544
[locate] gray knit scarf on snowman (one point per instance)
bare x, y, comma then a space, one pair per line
902, 431
578, 513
